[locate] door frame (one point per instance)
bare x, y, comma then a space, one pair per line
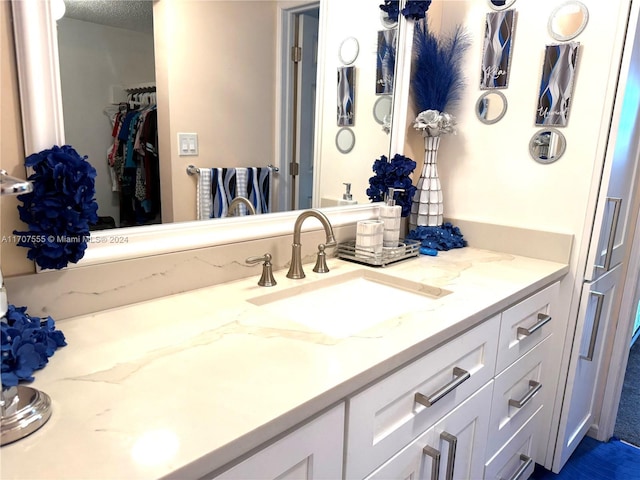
284, 96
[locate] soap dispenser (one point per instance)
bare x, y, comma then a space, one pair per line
347, 198
390, 214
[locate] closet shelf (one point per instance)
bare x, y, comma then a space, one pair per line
141, 87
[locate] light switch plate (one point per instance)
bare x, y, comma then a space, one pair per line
187, 144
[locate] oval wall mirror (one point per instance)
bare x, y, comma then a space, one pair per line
501, 4
348, 51
345, 140
382, 109
491, 107
568, 20
547, 145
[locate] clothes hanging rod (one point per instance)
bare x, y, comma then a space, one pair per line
193, 170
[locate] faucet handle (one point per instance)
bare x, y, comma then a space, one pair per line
321, 261
267, 279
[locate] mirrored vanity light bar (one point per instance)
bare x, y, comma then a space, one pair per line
193, 170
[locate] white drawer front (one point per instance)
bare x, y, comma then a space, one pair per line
524, 325
386, 417
518, 393
515, 460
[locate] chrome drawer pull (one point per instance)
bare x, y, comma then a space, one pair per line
534, 387
523, 468
451, 458
459, 376
543, 319
596, 325
617, 203
435, 463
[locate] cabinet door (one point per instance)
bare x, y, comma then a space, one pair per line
586, 358
313, 451
614, 212
454, 448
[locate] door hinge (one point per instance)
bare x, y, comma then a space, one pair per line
294, 169
296, 54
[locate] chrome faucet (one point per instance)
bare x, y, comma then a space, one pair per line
241, 200
295, 269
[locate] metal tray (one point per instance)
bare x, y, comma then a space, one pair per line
406, 249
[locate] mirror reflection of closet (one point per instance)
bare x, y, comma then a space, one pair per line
105, 71
568, 20
491, 107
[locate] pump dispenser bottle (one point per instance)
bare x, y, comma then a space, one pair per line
390, 215
347, 198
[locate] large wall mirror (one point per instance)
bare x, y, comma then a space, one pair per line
235, 99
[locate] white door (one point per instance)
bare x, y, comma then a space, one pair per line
596, 303
305, 127
614, 213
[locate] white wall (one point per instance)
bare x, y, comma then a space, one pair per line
486, 172
93, 58
210, 54
350, 18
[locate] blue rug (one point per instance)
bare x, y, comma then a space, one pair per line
594, 460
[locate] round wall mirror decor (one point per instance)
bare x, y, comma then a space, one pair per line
491, 107
568, 20
501, 4
547, 145
348, 51
382, 109
345, 140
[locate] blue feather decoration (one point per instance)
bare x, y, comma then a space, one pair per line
436, 80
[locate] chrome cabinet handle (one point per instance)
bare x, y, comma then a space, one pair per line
523, 468
543, 319
596, 326
617, 202
451, 458
435, 462
534, 387
459, 376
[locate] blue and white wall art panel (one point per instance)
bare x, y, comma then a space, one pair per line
346, 96
496, 55
386, 61
556, 85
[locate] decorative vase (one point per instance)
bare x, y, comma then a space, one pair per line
427, 206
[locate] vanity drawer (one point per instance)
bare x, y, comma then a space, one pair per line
387, 416
516, 459
519, 392
524, 325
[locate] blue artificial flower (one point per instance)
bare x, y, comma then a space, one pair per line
392, 9
26, 344
414, 9
61, 205
393, 174
444, 237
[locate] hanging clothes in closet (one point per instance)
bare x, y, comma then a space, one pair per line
134, 160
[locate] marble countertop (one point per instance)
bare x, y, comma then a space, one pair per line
178, 387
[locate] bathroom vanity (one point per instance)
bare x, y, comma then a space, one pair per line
213, 384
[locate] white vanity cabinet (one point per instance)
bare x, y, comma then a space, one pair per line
311, 452
389, 415
477, 406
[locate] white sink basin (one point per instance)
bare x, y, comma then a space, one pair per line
350, 303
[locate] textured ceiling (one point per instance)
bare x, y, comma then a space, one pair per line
129, 14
